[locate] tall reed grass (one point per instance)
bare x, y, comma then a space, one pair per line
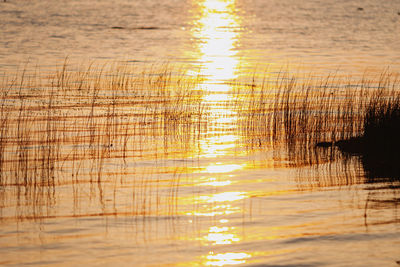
78, 127
66, 127
315, 118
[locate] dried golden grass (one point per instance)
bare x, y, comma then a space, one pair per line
74, 117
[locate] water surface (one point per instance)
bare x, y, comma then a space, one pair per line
199, 191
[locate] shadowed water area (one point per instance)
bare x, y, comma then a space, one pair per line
184, 133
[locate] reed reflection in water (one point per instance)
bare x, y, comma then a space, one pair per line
87, 129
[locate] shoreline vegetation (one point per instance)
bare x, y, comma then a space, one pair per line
100, 109
82, 131
317, 118
89, 115
79, 128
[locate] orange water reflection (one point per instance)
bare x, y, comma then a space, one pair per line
221, 236
223, 197
217, 29
214, 182
222, 168
229, 258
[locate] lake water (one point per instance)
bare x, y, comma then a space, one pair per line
330, 34
205, 192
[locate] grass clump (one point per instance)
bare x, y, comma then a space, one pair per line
381, 129
314, 118
74, 126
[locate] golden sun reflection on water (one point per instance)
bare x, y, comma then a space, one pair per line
229, 258
217, 31
213, 182
222, 168
214, 210
221, 236
215, 146
223, 197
